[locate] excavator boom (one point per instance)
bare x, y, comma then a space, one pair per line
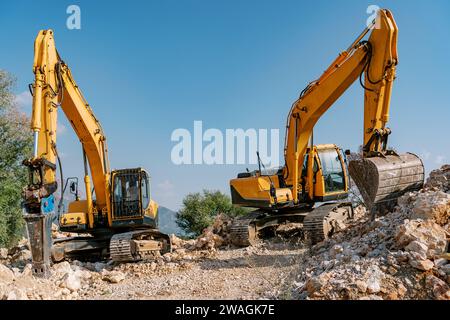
382, 175
376, 59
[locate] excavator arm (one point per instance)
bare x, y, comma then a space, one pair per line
376, 59
381, 175
55, 88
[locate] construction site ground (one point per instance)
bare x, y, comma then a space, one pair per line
401, 255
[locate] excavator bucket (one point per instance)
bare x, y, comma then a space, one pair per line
382, 180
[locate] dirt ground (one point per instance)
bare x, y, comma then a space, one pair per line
249, 273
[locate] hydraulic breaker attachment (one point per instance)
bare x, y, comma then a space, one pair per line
40, 238
38, 222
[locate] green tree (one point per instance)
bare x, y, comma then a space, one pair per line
15, 145
199, 210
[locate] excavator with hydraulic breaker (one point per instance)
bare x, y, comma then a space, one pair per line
312, 187
118, 218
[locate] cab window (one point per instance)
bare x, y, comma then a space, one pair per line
126, 195
332, 171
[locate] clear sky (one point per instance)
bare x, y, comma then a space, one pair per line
150, 67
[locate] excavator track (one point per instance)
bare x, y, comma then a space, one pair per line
320, 224
138, 245
243, 231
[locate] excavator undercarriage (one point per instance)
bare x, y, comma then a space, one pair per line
128, 246
319, 222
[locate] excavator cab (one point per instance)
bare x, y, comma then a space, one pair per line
334, 174
324, 169
131, 203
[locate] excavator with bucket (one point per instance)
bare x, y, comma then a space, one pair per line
312, 187
118, 218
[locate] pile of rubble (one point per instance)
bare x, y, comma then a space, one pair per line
76, 279
439, 179
402, 255
216, 235
67, 281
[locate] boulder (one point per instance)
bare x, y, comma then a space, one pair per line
401, 290
426, 232
27, 271
374, 277
209, 240
440, 289
113, 276
62, 268
71, 281
315, 284
418, 247
23, 255
6, 274
99, 266
439, 178
423, 265
432, 205
361, 285
176, 242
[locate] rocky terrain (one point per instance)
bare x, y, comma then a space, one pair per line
402, 255
194, 270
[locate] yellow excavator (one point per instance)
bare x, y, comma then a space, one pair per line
118, 218
312, 187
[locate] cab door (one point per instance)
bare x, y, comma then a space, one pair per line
331, 179
126, 198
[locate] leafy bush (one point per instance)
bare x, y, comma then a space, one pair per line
199, 211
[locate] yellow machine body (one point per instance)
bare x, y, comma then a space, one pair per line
116, 201
323, 178
303, 178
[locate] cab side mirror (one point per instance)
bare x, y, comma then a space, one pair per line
347, 152
73, 186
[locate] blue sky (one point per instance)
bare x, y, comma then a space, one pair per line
149, 67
